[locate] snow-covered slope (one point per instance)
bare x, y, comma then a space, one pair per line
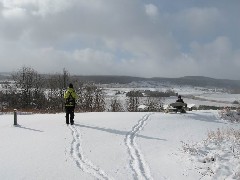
104, 145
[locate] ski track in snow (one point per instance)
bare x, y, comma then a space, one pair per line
82, 162
137, 163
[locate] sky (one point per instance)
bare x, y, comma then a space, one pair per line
145, 38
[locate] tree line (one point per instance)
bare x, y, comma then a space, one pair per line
31, 91
34, 92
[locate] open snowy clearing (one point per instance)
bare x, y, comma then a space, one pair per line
109, 146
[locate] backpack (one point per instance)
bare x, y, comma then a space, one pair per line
70, 100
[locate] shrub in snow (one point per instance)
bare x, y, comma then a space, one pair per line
230, 115
133, 104
154, 104
134, 94
91, 98
218, 155
205, 107
235, 102
115, 105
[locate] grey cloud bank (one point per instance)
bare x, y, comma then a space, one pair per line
121, 37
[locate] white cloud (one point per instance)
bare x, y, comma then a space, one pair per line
217, 58
119, 37
199, 20
93, 57
14, 13
151, 10
217, 51
39, 7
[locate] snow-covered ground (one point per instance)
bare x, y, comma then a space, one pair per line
111, 146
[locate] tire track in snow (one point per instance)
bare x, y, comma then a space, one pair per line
82, 162
137, 162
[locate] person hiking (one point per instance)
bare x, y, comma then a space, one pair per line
70, 97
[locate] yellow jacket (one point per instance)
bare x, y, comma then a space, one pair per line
70, 97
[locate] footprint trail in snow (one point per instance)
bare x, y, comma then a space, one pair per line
82, 162
137, 162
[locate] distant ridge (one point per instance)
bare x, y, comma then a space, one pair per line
201, 81
110, 79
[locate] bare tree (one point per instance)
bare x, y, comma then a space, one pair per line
57, 85
154, 104
63, 81
133, 103
29, 84
87, 97
9, 96
54, 94
91, 98
99, 102
115, 105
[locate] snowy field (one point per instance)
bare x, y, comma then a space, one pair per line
113, 146
191, 95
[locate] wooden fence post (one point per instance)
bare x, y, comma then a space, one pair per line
15, 117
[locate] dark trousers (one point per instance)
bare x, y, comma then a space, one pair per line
69, 111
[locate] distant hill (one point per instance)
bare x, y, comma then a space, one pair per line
187, 80
200, 81
110, 79
5, 76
